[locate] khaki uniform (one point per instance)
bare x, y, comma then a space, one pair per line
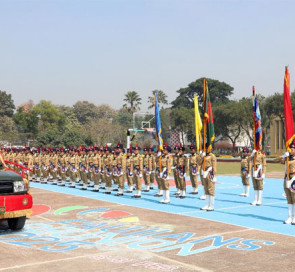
193, 170
209, 161
147, 166
245, 170
129, 172
166, 169
175, 172
121, 167
260, 162
137, 171
181, 166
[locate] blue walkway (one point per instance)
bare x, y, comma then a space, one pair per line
229, 206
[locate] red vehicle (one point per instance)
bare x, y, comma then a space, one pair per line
15, 200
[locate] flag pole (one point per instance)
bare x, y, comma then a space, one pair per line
254, 132
204, 119
287, 84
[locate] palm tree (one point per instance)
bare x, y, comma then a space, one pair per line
132, 100
162, 98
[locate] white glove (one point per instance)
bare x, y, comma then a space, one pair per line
153, 172
263, 176
130, 173
184, 175
140, 175
200, 152
172, 167
285, 155
86, 172
253, 152
198, 173
203, 154
214, 180
121, 174
248, 176
159, 154
164, 169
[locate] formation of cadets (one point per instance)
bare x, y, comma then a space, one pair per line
107, 170
103, 168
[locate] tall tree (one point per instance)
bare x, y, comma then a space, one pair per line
7, 106
50, 116
162, 98
133, 100
85, 111
219, 93
228, 121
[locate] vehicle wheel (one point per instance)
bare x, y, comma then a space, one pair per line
16, 223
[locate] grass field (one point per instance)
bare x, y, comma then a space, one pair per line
224, 168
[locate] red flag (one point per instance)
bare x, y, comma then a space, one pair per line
289, 124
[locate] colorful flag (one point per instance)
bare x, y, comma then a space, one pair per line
257, 129
289, 124
198, 123
208, 118
159, 136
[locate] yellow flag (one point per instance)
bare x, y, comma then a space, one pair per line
198, 123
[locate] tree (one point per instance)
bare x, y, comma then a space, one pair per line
27, 120
72, 138
219, 93
227, 121
7, 106
8, 130
162, 98
85, 111
50, 137
49, 115
132, 100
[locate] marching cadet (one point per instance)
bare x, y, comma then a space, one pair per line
158, 164
181, 166
102, 172
164, 173
62, 164
90, 167
45, 165
153, 167
84, 169
245, 171
37, 165
129, 170
54, 162
175, 169
137, 171
209, 178
73, 170
258, 174
108, 159
121, 169
96, 165
115, 154
147, 166
193, 170
289, 185
28, 162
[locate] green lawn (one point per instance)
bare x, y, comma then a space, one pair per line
224, 168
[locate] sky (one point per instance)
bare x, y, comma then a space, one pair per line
68, 51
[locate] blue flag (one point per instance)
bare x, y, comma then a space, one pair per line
159, 136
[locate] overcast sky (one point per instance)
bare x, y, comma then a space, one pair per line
66, 51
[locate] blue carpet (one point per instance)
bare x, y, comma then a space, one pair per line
229, 206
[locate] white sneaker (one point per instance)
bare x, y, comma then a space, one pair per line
255, 198
207, 203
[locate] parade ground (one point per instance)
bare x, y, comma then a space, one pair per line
75, 230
